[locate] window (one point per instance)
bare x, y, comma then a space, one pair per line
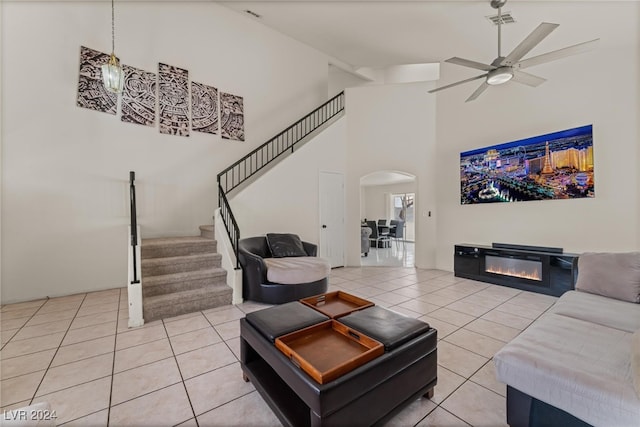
403, 208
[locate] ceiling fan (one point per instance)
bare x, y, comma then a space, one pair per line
505, 68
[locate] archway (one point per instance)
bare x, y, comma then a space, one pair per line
388, 196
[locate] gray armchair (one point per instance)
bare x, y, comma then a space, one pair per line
279, 280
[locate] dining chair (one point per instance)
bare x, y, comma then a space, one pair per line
376, 236
396, 231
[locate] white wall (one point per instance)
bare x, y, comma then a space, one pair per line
377, 197
392, 127
285, 199
637, 37
339, 80
1, 148
65, 168
599, 87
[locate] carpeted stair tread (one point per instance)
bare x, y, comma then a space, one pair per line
176, 282
195, 257
186, 240
164, 247
190, 295
170, 265
184, 275
207, 231
174, 304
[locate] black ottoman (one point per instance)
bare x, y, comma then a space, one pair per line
390, 328
369, 395
282, 319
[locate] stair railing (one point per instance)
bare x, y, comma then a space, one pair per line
134, 224
285, 141
134, 286
230, 223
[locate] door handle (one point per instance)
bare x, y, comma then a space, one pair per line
324, 226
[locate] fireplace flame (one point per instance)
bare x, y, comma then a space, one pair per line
523, 274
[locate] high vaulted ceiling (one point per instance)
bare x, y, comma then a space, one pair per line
383, 33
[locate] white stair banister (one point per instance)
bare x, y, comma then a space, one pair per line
134, 287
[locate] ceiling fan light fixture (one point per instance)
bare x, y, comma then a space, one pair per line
509, 67
499, 76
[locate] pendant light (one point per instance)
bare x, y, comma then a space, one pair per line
112, 72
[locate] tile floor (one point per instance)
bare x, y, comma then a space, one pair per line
77, 353
396, 255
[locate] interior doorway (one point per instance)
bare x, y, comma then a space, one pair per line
387, 208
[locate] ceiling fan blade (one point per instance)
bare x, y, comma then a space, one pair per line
470, 64
529, 43
527, 79
558, 54
478, 92
458, 83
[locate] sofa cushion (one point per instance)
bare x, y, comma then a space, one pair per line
296, 270
390, 328
275, 321
614, 275
574, 365
635, 361
285, 245
598, 309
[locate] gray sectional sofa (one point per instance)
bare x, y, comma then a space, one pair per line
579, 363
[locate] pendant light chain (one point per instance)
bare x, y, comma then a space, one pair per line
499, 32
113, 28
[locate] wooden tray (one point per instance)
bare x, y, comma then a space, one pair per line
336, 304
328, 350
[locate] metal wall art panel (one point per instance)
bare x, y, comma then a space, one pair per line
173, 85
91, 91
204, 108
232, 117
139, 97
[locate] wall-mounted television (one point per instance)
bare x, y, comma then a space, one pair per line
557, 165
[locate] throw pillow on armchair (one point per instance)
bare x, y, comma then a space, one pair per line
284, 245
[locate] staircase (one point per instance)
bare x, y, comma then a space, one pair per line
251, 166
182, 275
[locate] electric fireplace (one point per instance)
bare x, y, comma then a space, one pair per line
532, 268
513, 267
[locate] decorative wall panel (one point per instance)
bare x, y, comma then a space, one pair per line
91, 91
173, 85
204, 108
139, 97
231, 117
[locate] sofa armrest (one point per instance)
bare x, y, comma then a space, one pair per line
310, 248
253, 265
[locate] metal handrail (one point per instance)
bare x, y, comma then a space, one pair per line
229, 221
237, 173
134, 223
240, 171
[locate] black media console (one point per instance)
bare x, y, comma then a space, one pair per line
531, 268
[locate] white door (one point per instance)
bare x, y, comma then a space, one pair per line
332, 218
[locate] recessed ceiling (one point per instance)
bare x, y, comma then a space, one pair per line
384, 33
386, 178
